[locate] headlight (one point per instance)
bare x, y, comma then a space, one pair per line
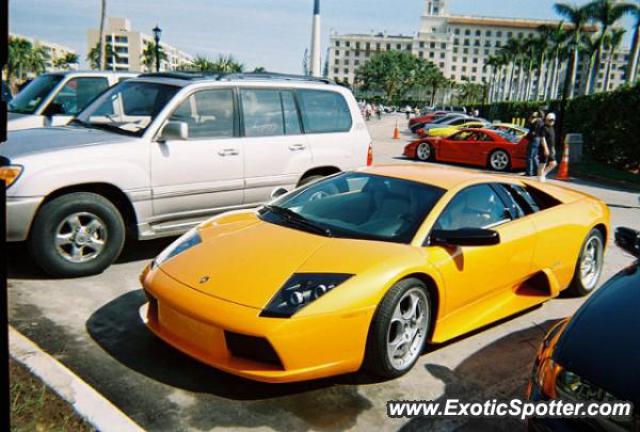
187, 241
10, 174
573, 387
300, 290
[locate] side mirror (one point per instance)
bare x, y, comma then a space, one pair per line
464, 237
628, 240
174, 130
278, 192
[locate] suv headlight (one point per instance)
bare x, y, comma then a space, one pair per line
300, 290
10, 174
187, 241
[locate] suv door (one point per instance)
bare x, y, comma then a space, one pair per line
472, 274
276, 152
203, 174
72, 98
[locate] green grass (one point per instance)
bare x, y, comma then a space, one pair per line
601, 172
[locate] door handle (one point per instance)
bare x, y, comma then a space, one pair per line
296, 147
228, 152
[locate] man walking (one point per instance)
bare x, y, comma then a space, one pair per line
536, 129
548, 148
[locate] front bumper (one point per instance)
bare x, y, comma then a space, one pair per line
20, 215
308, 347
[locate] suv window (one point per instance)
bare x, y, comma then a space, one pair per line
209, 114
324, 111
76, 95
474, 207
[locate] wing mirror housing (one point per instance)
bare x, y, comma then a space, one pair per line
628, 240
174, 130
464, 237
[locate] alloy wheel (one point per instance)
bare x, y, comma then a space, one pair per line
407, 329
81, 237
591, 263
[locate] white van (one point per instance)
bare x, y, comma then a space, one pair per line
53, 99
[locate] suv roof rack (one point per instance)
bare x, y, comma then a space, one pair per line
236, 76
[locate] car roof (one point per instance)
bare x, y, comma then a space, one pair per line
440, 176
93, 72
245, 76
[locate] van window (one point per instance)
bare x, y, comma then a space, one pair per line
262, 111
324, 111
76, 95
209, 114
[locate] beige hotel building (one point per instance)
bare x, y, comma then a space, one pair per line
458, 45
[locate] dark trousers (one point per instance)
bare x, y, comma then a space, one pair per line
533, 150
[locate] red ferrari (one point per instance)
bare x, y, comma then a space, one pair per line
427, 118
496, 150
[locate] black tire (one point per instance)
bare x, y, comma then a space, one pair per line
310, 179
376, 360
42, 241
577, 287
502, 168
431, 153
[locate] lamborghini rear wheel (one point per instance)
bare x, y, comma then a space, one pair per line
399, 329
589, 266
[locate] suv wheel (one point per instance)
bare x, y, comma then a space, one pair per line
78, 234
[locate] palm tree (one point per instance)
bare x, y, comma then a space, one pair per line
557, 39
93, 56
632, 67
612, 42
37, 60
578, 16
531, 47
259, 69
588, 46
493, 62
18, 59
200, 64
545, 33
227, 64
148, 56
606, 13
101, 44
510, 51
66, 61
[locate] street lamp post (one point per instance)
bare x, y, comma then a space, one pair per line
157, 32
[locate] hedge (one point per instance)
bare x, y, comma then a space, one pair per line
609, 123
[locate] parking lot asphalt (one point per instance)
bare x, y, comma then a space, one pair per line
92, 326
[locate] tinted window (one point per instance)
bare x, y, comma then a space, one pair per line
76, 95
324, 111
262, 111
128, 107
209, 114
474, 207
30, 98
356, 205
290, 111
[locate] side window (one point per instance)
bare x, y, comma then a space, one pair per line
290, 112
523, 198
262, 113
484, 137
76, 94
474, 207
324, 111
463, 136
209, 114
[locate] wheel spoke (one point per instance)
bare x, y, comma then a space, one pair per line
96, 244
94, 226
76, 251
63, 239
74, 222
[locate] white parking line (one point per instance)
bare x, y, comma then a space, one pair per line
87, 402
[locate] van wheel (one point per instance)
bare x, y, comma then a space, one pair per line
309, 179
78, 234
399, 329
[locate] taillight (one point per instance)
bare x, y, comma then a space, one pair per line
370, 156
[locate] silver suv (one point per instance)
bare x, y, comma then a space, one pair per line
155, 155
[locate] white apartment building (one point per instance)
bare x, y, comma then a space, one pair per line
458, 45
129, 45
53, 51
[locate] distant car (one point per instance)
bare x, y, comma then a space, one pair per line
440, 120
53, 99
453, 119
427, 117
364, 268
446, 131
6, 93
495, 150
516, 130
594, 356
155, 155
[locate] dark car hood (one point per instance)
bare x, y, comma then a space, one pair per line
30, 141
602, 342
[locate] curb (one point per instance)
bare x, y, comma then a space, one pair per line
86, 401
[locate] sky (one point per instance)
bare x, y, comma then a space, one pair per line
269, 33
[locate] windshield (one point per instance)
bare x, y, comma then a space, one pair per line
128, 108
358, 206
30, 98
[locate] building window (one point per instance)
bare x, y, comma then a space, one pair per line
456, 31
348, 44
433, 45
444, 46
474, 70
455, 50
441, 65
456, 41
421, 44
488, 33
476, 51
346, 62
336, 71
378, 47
467, 32
454, 59
357, 45
399, 46
388, 46
509, 35
337, 61
409, 47
431, 54
337, 43
476, 43
464, 69
499, 34
475, 60
442, 55
453, 68
478, 33
421, 54
465, 51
